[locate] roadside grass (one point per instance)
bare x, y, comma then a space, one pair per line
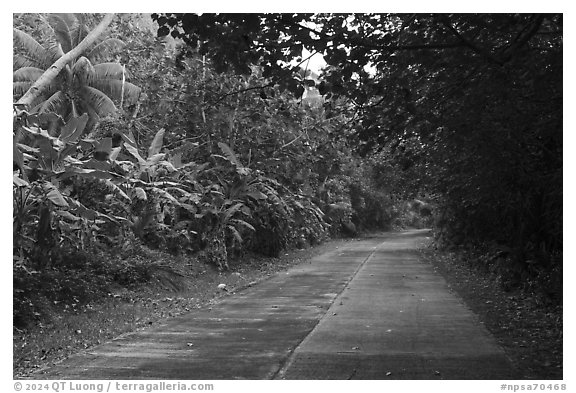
528, 327
165, 286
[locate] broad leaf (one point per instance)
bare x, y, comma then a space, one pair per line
64, 153
140, 193
256, 195
155, 159
168, 165
167, 195
134, 152
66, 214
74, 128
180, 190
167, 183
96, 164
48, 155
176, 160
85, 173
156, 144
116, 189
18, 159
129, 138
84, 212
115, 152
55, 196
18, 182
27, 149
107, 217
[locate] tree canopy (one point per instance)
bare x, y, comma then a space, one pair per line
473, 101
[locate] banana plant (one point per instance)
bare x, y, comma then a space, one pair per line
43, 167
154, 183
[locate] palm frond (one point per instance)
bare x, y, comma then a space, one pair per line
99, 102
83, 71
237, 221
27, 74
55, 103
105, 49
35, 53
71, 20
108, 71
51, 89
235, 233
19, 88
80, 30
61, 29
36, 105
25, 77
55, 51
113, 88
20, 60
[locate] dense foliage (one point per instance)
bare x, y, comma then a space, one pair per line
207, 135
469, 106
205, 163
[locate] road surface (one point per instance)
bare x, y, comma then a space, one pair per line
371, 309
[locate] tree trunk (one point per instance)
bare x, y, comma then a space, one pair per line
55, 68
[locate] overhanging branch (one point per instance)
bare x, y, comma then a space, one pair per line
468, 43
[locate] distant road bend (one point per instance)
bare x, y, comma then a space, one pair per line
369, 310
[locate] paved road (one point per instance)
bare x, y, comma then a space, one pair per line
369, 310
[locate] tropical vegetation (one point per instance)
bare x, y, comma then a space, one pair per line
208, 136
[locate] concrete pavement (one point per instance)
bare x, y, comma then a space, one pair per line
369, 310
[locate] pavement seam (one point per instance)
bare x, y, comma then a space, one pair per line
279, 374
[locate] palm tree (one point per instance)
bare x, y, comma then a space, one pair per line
87, 84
